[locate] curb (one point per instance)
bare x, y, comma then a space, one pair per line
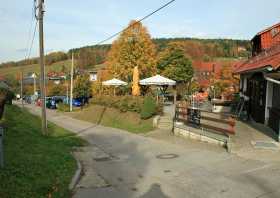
77, 175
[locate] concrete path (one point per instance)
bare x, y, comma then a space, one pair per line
131, 165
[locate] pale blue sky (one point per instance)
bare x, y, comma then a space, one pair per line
73, 23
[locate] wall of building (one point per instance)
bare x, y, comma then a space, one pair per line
270, 38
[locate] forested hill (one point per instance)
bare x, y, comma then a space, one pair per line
202, 49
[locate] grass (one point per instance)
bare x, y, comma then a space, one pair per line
35, 165
112, 117
35, 68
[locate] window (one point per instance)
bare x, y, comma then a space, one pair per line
93, 77
274, 31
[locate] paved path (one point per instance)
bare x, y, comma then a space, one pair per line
131, 166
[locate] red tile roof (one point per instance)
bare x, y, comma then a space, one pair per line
206, 66
270, 57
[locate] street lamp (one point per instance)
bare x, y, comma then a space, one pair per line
34, 76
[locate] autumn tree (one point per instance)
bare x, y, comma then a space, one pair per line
225, 83
134, 47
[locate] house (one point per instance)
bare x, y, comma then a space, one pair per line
260, 78
56, 77
98, 73
205, 71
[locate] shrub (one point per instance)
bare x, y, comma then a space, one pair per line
63, 107
149, 108
56, 90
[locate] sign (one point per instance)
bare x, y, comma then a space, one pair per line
194, 116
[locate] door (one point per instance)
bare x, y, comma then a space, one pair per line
257, 90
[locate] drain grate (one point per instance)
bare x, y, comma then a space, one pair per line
265, 145
167, 156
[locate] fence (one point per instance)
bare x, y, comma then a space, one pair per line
202, 119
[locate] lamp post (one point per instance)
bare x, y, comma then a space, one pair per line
34, 83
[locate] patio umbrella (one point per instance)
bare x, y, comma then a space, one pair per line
114, 82
157, 80
135, 85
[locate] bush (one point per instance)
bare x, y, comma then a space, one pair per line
63, 107
123, 103
149, 108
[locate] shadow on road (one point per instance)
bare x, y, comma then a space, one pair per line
124, 171
154, 191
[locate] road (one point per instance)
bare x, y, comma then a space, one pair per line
144, 167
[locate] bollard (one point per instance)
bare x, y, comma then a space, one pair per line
1, 147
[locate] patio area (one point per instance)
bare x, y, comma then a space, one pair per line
255, 141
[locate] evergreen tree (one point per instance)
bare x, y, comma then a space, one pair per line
173, 64
82, 86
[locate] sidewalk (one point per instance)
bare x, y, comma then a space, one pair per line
249, 133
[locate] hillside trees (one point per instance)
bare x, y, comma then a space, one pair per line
134, 47
90, 56
55, 57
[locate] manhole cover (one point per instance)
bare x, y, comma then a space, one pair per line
102, 159
265, 145
167, 156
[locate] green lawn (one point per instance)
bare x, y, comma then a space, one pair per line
35, 165
112, 117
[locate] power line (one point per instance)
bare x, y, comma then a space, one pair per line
32, 41
29, 48
138, 21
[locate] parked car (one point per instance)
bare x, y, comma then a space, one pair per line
39, 102
27, 99
77, 102
52, 102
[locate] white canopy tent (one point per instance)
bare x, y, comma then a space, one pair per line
114, 82
157, 80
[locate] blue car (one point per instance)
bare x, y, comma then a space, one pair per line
77, 102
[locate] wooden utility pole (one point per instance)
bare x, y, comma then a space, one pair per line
42, 65
21, 88
71, 82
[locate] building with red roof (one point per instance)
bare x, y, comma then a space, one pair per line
260, 78
205, 71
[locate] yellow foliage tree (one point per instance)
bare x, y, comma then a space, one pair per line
133, 48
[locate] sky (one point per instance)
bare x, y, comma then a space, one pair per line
71, 23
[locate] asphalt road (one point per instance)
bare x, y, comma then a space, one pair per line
138, 166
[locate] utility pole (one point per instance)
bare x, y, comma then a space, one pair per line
21, 88
71, 83
42, 64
